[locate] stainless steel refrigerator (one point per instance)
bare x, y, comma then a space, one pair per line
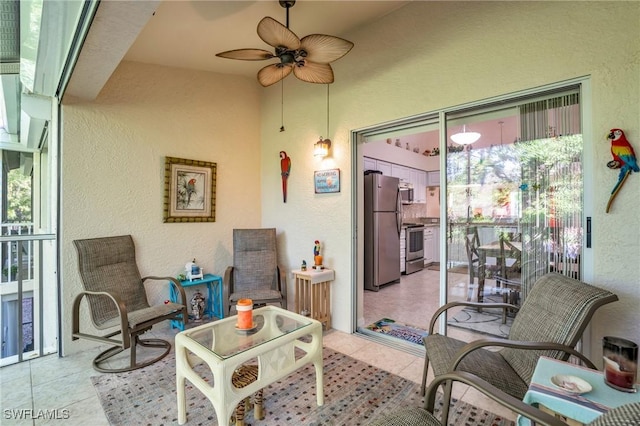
382, 226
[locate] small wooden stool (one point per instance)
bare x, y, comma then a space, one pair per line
244, 376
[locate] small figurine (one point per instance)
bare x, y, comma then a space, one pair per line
304, 265
197, 306
317, 258
193, 271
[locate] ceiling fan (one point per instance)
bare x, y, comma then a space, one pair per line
308, 57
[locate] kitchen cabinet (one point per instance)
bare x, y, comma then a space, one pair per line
370, 164
401, 172
373, 164
384, 167
431, 245
419, 186
433, 178
417, 178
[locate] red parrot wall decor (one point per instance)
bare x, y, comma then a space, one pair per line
624, 158
285, 169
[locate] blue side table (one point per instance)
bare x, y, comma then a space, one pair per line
214, 287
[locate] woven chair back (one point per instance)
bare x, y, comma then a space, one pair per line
254, 259
557, 309
109, 264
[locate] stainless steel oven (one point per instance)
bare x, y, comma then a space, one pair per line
414, 244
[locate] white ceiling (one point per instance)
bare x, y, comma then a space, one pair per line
188, 33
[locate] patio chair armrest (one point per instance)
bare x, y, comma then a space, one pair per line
502, 398
450, 305
175, 283
227, 289
122, 313
282, 284
515, 344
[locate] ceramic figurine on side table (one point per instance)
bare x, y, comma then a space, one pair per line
193, 271
197, 306
317, 257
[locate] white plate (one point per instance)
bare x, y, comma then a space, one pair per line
571, 384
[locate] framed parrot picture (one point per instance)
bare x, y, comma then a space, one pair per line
189, 190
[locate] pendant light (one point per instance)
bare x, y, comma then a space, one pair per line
465, 138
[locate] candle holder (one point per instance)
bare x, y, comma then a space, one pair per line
620, 363
244, 307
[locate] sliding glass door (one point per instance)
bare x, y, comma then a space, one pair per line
514, 202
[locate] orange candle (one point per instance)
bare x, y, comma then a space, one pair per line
245, 313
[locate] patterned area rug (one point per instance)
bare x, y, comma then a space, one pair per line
489, 321
356, 393
399, 330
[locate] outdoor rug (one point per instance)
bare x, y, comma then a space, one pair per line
356, 393
489, 321
398, 330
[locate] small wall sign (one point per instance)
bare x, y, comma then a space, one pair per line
326, 181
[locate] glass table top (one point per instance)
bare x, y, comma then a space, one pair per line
224, 339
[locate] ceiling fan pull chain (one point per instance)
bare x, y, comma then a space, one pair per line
282, 105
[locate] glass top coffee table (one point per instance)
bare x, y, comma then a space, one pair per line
280, 342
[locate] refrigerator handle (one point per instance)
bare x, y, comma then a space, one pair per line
398, 212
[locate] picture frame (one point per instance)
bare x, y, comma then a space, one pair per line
326, 181
189, 190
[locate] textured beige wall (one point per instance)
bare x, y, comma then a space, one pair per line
113, 168
432, 55
426, 56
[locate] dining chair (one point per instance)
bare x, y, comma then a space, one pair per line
472, 242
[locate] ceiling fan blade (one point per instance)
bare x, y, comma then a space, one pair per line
246, 54
273, 73
275, 34
312, 72
323, 48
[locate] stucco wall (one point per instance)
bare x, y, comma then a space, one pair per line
431, 55
113, 169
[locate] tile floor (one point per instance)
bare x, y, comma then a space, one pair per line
61, 386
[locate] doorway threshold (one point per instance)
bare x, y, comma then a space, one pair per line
393, 342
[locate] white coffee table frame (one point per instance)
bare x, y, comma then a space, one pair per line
273, 348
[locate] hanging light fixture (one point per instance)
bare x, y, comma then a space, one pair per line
465, 138
321, 148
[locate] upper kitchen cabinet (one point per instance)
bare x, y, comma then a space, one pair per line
433, 178
373, 164
419, 181
401, 172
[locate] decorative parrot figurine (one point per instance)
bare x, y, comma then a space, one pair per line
191, 189
624, 158
285, 169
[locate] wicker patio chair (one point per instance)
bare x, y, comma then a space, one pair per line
550, 322
255, 273
117, 299
424, 416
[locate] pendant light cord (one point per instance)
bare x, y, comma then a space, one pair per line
327, 111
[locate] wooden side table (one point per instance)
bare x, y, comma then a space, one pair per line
214, 293
313, 294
